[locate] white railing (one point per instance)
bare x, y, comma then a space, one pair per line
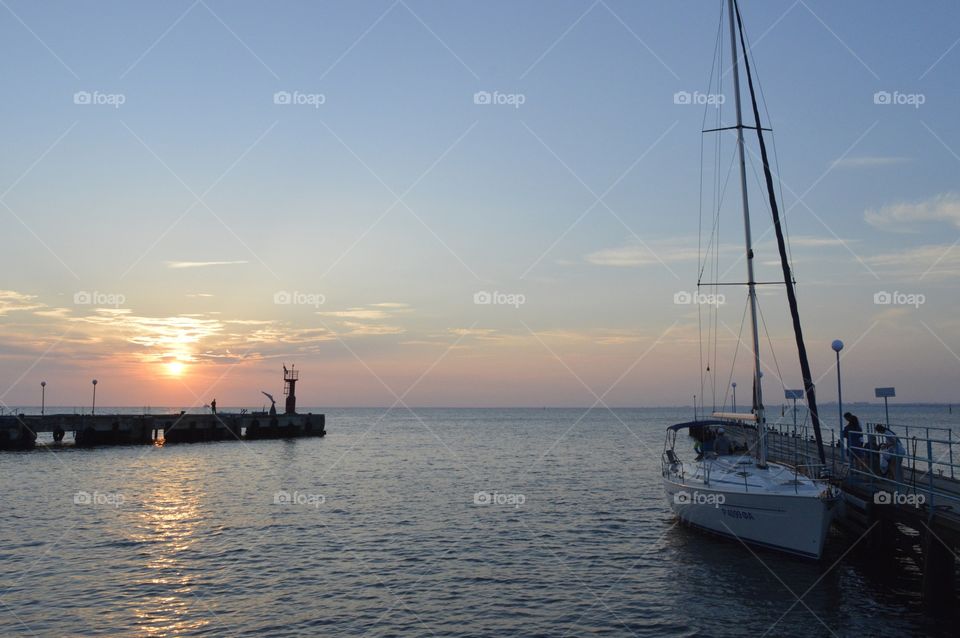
926, 466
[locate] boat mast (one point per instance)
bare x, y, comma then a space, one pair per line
751, 281
808, 385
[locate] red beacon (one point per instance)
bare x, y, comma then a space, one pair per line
290, 377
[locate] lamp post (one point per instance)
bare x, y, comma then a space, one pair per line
93, 410
837, 346
43, 396
734, 385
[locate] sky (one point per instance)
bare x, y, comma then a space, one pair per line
465, 204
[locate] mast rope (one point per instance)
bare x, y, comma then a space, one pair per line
736, 349
773, 143
703, 252
773, 352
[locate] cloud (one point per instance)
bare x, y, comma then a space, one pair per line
204, 264
904, 215
485, 334
368, 321
636, 254
13, 301
126, 336
471, 332
935, 260
869, 161
797, 245
810, 241
53, 313
356, 313
158, 337
360, 329
390, 304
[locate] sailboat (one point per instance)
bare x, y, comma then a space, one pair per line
742, 495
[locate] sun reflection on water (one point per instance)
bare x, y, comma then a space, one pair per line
167, 527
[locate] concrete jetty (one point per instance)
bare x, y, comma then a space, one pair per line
19, 431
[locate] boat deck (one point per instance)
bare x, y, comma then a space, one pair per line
739, 473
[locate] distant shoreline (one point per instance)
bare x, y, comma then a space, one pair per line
51, 409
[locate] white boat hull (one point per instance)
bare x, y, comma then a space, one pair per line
793, 523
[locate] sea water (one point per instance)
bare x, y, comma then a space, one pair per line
446, 522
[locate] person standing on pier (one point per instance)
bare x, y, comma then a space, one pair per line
853, 435
891, 453
213, 406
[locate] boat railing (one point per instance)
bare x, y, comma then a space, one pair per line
670, 460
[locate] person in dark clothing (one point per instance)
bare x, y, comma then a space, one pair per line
853, 432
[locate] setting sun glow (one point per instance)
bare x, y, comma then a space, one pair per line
175, 368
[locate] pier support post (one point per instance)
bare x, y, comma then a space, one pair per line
882, 538
938, 572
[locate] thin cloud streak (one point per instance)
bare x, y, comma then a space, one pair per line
204, 264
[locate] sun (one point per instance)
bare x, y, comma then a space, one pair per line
175, 368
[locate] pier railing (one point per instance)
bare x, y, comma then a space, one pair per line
929, 468
924, 466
